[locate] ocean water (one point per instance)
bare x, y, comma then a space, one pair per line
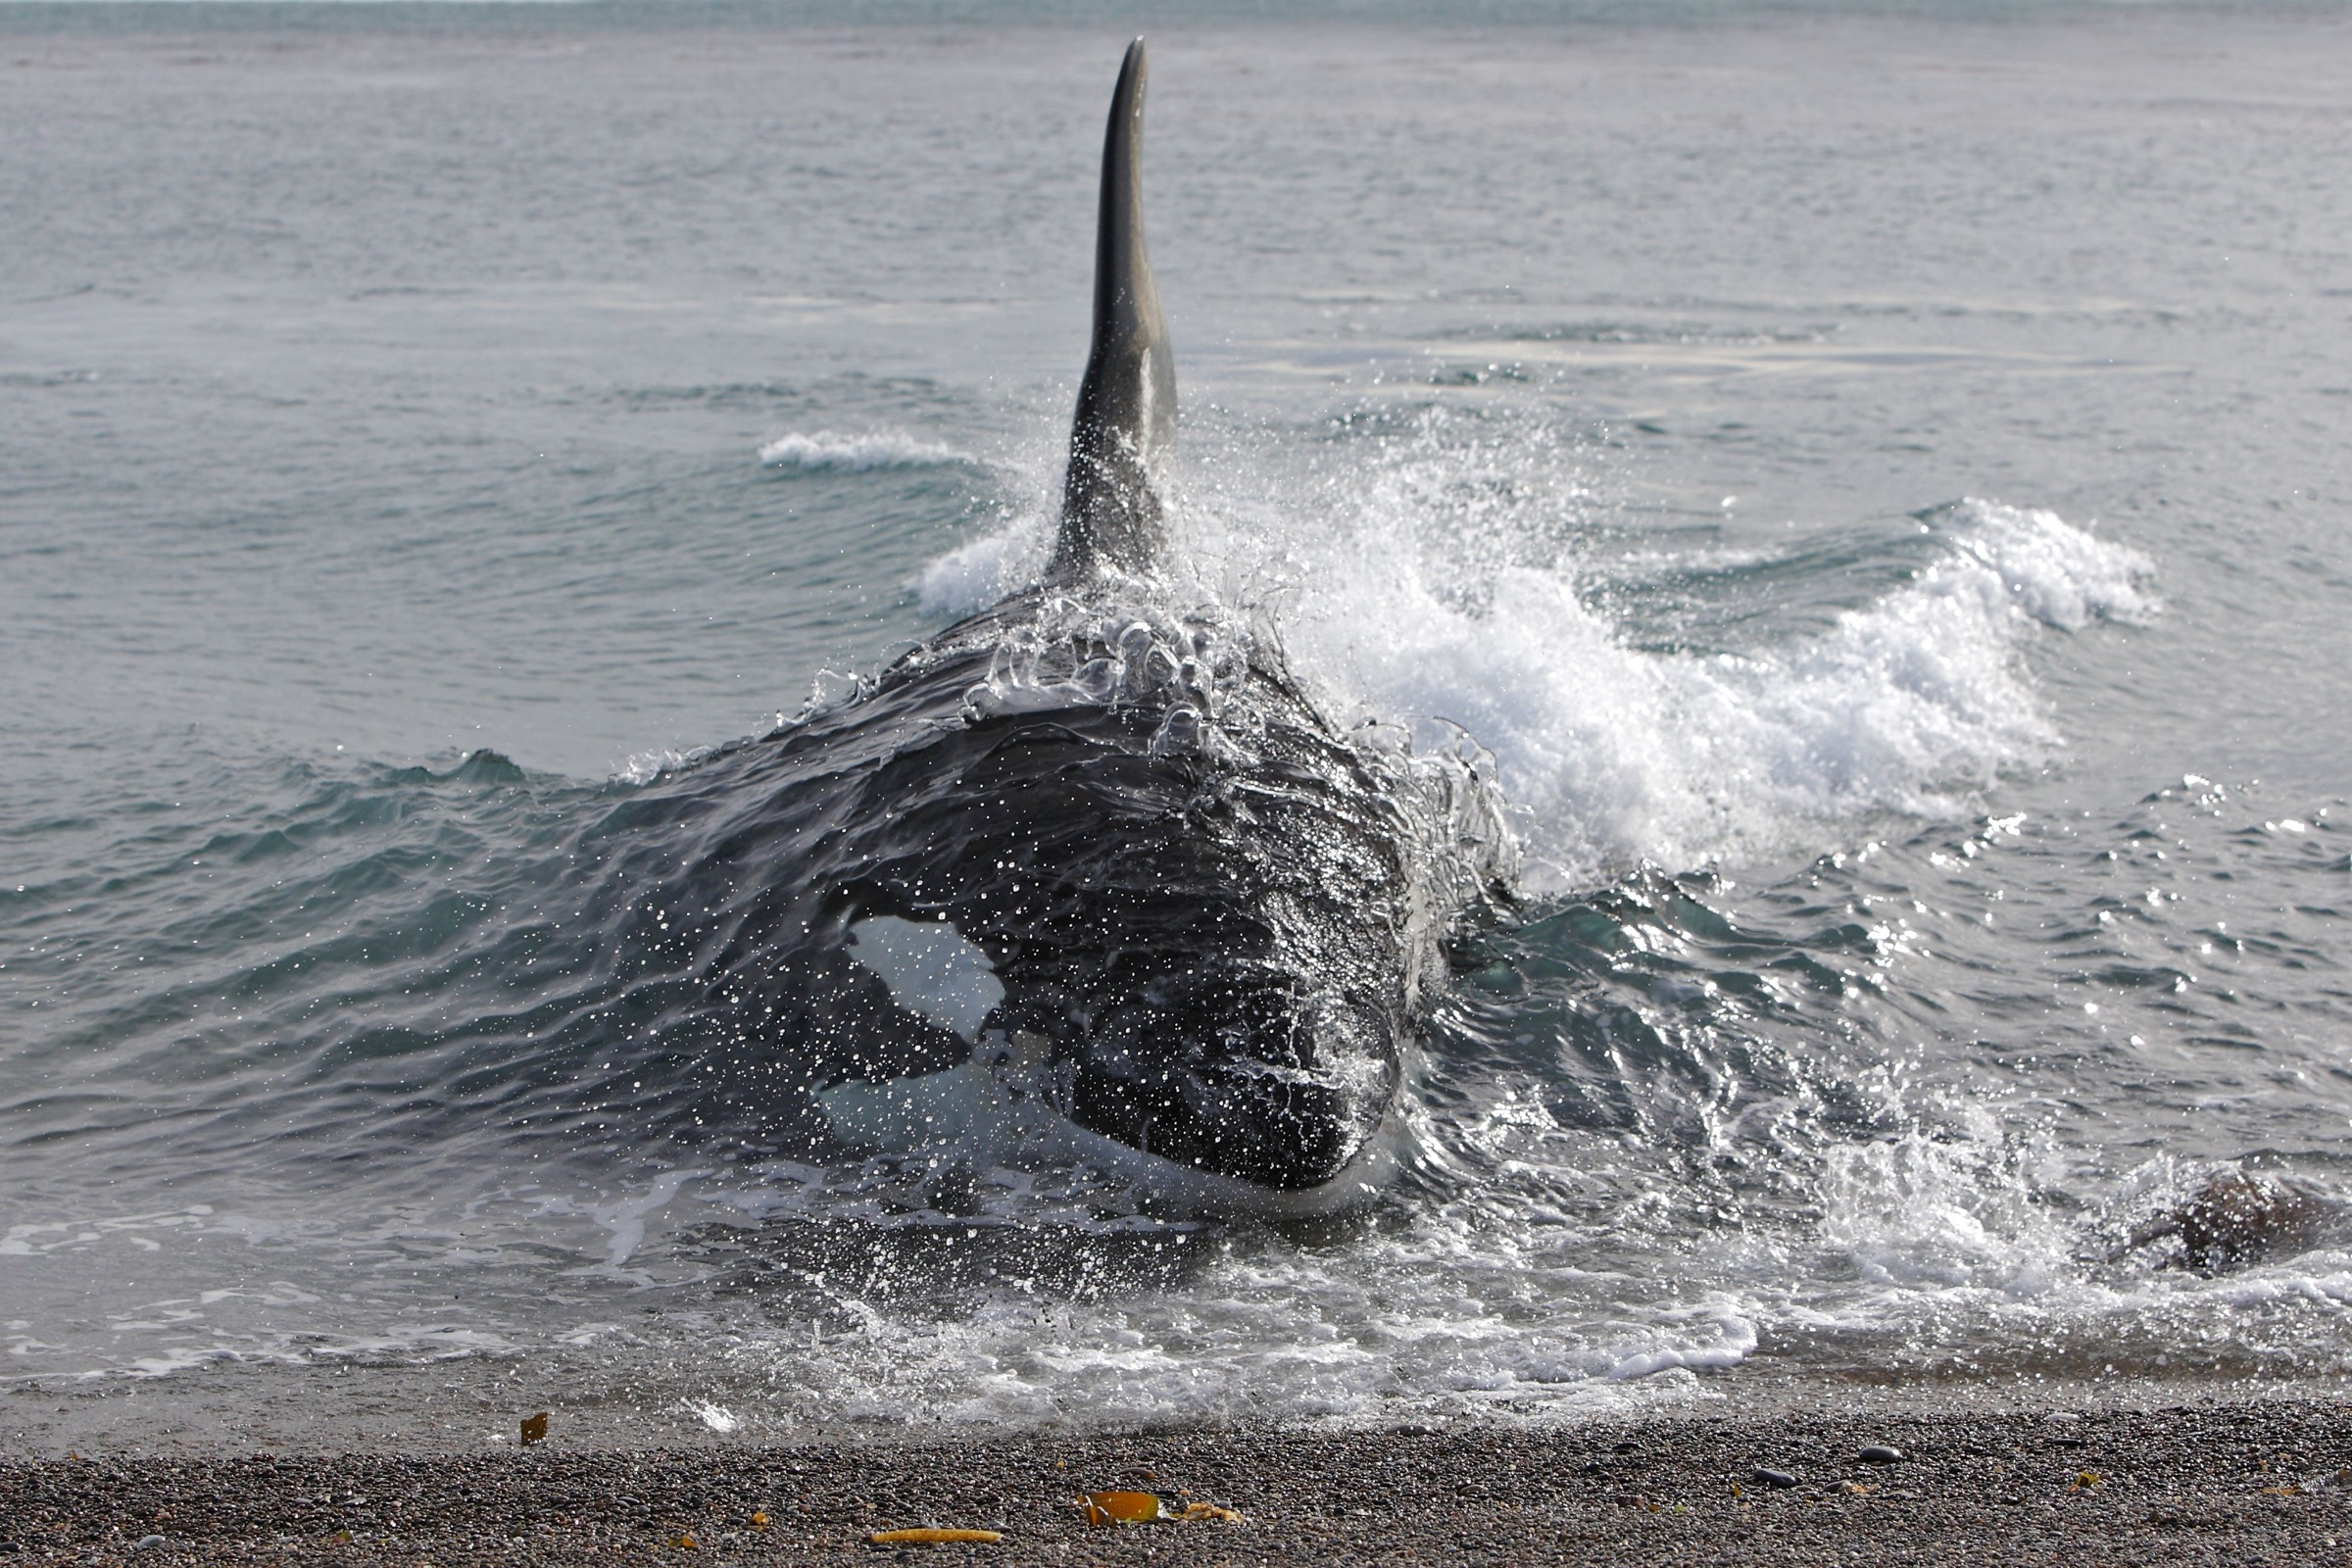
1873, 487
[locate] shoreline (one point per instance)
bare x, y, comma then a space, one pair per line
2245, 1480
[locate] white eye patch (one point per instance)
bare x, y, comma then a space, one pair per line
931, 971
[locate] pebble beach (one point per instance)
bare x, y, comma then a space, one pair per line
2261, 1481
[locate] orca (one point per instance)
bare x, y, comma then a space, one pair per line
1086, 877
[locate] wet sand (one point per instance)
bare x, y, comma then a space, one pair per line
2265, 1481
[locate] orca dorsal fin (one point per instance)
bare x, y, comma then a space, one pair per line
1111, 500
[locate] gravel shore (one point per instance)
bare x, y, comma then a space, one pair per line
2267, 1482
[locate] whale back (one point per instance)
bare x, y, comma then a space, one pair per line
1113, 510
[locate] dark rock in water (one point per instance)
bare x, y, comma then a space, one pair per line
2236, 1219
1775, 1478
1880, 1454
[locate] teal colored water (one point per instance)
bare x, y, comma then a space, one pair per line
1875, 485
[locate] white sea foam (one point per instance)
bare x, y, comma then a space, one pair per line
625, 1219
1618, 754
1915, 1215
979, 573
1494, 1304
1310, 1338
855, 452
717, 1417
32, 1239
643, 767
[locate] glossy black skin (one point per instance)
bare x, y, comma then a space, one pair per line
1112, 513
1220, 943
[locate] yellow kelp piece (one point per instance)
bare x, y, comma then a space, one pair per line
1147, 1509
1123, 1508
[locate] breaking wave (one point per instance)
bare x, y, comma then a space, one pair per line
829, 450
1620, 753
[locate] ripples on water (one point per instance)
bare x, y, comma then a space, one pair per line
1871, 985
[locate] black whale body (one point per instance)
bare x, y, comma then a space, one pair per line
1203, 922
1218, 934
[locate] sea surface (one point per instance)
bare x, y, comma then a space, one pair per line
1873, 486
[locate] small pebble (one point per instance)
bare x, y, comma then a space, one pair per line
144, 1542
1775, 1478
1880, 1454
